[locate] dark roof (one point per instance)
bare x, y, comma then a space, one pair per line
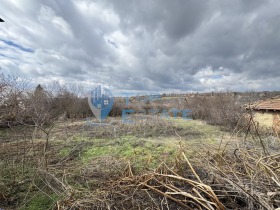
268, 104
1, 20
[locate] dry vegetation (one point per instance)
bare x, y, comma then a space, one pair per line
157, 165
49, 162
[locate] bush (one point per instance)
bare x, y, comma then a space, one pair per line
219, 109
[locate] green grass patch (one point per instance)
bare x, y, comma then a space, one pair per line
142, 153
64, 151
95, 152
150, 151
40, 202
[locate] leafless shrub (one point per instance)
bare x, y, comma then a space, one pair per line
220, 109
12, 90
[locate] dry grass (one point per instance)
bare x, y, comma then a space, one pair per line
232, 173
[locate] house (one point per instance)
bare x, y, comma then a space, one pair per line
267, 113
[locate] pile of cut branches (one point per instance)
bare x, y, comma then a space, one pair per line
162, 188
247, 179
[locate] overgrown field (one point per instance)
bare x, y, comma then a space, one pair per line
152, 164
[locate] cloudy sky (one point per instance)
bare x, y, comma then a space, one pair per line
147, 45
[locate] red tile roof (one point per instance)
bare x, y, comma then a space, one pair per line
269, 104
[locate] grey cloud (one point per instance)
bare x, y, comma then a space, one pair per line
176, 18
161, 44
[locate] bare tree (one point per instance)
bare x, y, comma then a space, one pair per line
12, 90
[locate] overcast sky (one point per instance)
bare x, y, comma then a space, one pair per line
144, 45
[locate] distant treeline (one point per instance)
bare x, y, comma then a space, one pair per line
20, 104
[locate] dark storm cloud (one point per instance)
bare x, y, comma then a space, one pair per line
175, 18
194, 34
192, 45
